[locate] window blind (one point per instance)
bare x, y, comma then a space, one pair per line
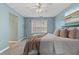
39, 26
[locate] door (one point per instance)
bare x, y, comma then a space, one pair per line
13, 22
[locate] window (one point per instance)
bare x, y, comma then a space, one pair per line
39, 26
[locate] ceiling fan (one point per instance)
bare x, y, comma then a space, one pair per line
39, 7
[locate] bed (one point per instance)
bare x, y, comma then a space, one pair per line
50, 44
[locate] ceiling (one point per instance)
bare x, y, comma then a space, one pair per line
29, 10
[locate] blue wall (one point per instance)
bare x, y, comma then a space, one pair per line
27, 27
4, 25
51, 24
20, 27
20, 22
59, 20
74, 20
72, 7
4, 29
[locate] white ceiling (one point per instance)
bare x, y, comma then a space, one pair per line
27, 10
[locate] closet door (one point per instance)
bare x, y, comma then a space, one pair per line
13, 23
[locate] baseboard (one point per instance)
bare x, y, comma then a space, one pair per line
4, 49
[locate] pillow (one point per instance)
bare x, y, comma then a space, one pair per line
72, 32
63, 33
57, 32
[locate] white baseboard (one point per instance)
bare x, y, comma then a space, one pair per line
4, 49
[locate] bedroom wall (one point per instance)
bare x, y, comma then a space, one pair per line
71, 8
20, 23
27, 27
59, 20
74, 20
51, 24
4, 25
4, 29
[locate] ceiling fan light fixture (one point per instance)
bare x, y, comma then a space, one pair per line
38, 4
39, 10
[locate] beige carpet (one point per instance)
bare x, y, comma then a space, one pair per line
15, 48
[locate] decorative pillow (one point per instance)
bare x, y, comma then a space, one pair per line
63, 33
72, 32
57, 32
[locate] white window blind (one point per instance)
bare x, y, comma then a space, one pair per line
39, 26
